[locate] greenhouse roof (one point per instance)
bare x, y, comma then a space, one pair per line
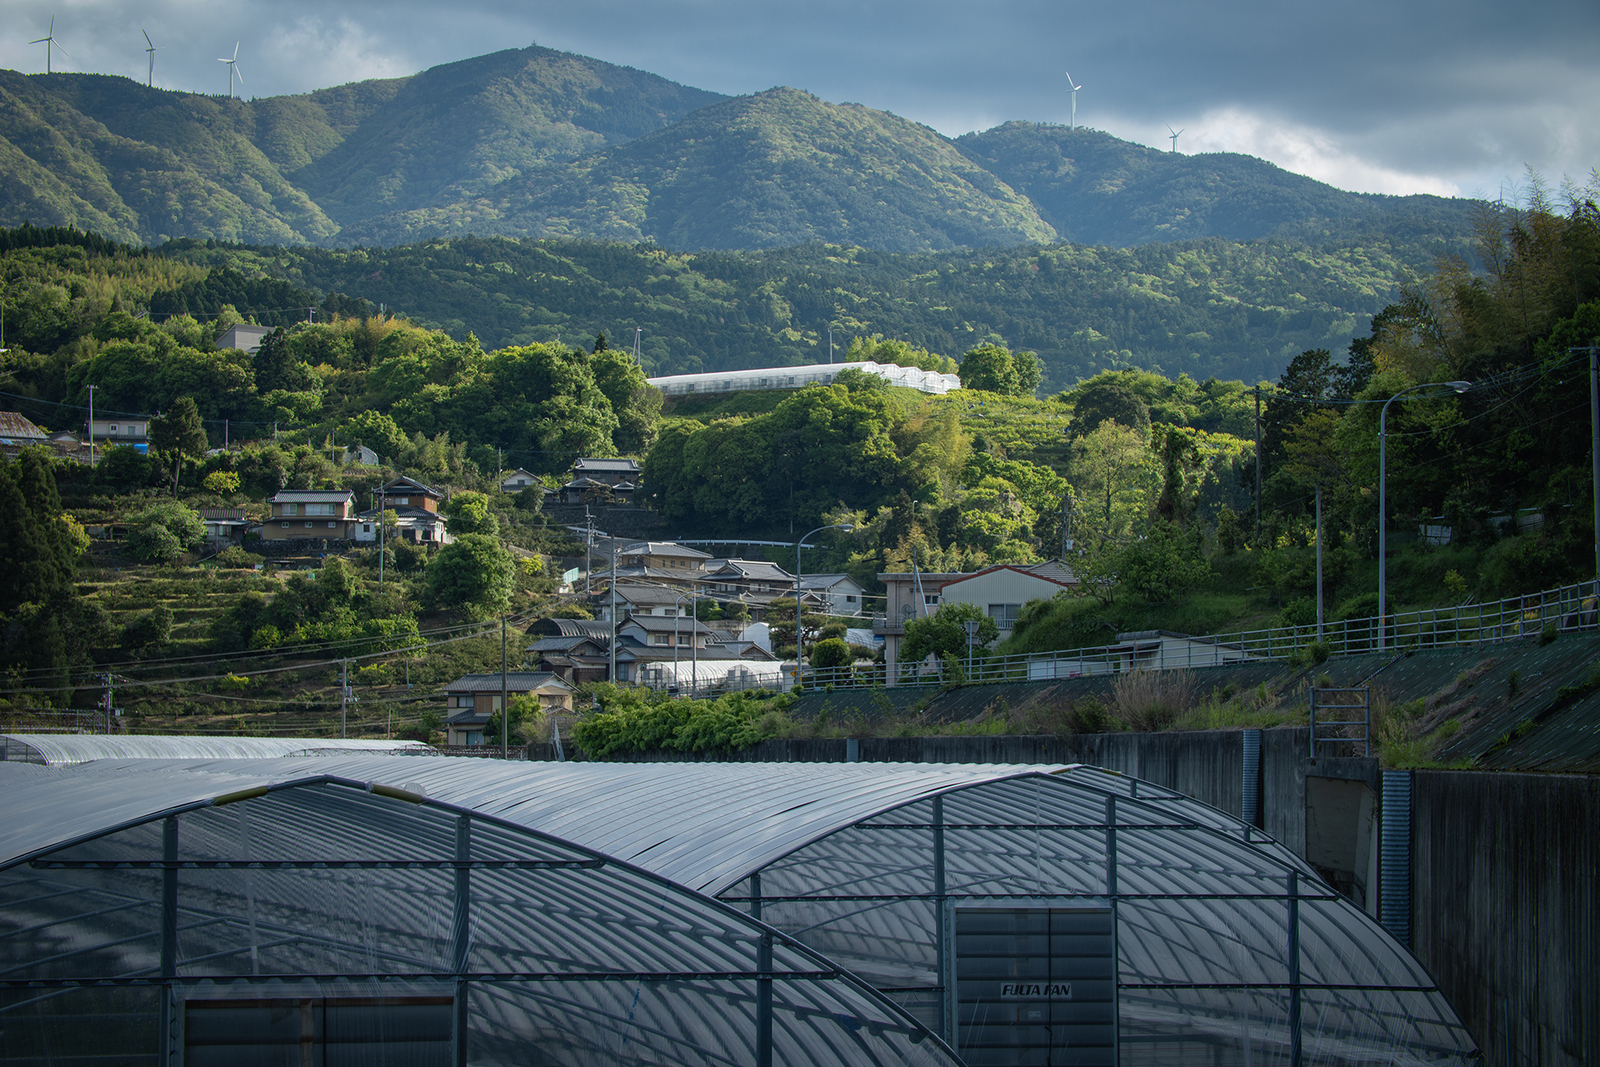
57, 749
702, 825
1220, 941
237, 890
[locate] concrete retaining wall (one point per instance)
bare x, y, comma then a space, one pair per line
1505, 875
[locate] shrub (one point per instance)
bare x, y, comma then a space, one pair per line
162, 533
1152, 700
1087, 715
223, 483
236, 557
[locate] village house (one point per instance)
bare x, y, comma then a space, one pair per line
831, 594
575, 650
119, 430
416, 508
1000, 591
755, 582
224, 526
612, 472
470, 701
660, 561
324, 513
518, 480
244, 337
17, 433
610, 480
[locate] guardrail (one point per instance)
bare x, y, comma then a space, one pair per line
1568, 608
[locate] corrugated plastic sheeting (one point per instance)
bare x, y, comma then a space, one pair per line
1225, 921
87, 923
60, 749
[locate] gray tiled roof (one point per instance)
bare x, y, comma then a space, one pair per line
313, 496
516, 682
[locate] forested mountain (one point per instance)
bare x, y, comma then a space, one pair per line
766, 171
1096, 189
1207, 308
538, 143
138, 164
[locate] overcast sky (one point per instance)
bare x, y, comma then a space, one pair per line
1392, 96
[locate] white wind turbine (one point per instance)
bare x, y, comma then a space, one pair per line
150, 75
1174, 134
233, 69
49, 41
1074, 86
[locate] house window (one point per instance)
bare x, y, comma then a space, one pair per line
848, 599
288, 509
284, 525
113, 428
309, 525
622, 673
331, 525
660, 639
1005, 614
930, 600
366, 527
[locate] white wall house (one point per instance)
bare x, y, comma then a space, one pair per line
1001, 591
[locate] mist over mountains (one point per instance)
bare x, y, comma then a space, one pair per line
539, 143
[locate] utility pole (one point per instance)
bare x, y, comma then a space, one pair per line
380, 498
1258, 464
344, 694
588, 544
612, 676
91, 427
111, 701
505, 703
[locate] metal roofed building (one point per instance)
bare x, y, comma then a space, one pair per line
64, 749
1032, 914
729, 381
277, 911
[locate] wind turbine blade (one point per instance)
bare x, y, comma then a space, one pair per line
41, 40
148, 41
238, 73
236, 50
65, 52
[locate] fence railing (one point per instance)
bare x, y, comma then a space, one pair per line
1568, 608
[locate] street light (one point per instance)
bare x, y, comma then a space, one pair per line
799, 625
1383, 520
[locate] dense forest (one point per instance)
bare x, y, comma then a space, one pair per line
1210, 308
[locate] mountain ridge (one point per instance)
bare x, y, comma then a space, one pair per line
538, 143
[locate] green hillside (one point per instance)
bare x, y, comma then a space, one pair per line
766, 171
1208, 308
1096, 189
539, 143
146, 165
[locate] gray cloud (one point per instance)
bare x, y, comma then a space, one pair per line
1383, 96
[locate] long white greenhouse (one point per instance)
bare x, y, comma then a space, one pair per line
732, 381
592, 912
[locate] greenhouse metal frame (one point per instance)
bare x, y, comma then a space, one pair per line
1025, 914
316, 918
